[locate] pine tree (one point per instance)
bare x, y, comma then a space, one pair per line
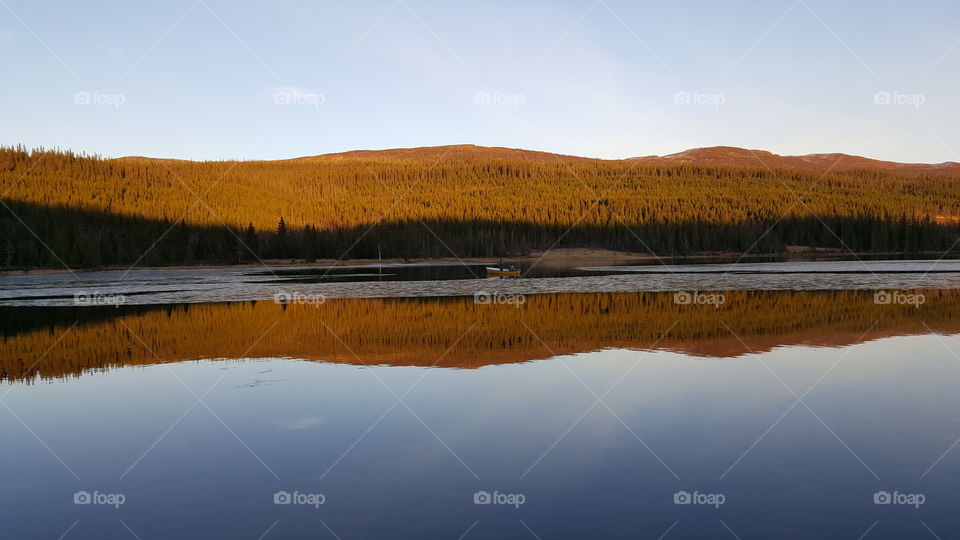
281, 245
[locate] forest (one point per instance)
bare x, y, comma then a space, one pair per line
60, 209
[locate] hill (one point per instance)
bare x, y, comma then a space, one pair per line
452, 152
728, 156
454, 201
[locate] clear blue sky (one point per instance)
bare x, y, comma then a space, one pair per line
201, 79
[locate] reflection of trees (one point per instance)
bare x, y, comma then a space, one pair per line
419, 331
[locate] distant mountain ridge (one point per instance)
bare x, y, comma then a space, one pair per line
453, 151
715, 156
729, 156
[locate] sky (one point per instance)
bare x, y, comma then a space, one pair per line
225, 79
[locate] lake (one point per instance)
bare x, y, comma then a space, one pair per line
762, 400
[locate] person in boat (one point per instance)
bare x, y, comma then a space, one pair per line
503, 270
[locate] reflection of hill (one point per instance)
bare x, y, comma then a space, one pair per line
456, 332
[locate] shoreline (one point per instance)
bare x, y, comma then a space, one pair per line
563, 257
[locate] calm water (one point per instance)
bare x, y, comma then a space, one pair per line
779, 413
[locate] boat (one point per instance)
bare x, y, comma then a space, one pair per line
503, 270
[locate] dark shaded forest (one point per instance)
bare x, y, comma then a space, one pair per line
59, 237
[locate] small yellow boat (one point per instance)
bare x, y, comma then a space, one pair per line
503, 270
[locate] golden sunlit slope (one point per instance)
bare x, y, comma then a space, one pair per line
461, 183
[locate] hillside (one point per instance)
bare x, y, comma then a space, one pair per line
728, 156
717, 156
446, 201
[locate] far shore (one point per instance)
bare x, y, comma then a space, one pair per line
560, 257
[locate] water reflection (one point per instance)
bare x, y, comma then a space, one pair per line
457, 332
796, 427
